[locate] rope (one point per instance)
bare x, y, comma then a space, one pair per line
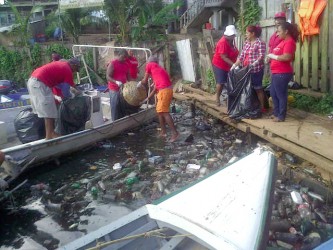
153, 233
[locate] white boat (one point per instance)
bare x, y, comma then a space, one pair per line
25, 156
40, 151
229, 209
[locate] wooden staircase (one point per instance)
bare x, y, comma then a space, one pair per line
200, 12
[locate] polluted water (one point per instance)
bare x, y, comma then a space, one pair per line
92, 188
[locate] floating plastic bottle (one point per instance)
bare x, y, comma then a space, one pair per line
131, 180
39, 187
94, 192
155, 159
76, 185
304, 211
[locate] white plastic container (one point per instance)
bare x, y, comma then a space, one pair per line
297, 198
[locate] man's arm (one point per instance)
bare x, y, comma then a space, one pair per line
109, 73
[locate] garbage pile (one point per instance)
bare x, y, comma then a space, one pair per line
139, 168
302, 215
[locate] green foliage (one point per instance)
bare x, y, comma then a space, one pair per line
140, 20
211, 81
250, 16
65, 52
22, 24
70, 21
311, 104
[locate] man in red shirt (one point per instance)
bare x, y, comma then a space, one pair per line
117, 74
274, 41
133, 65
163, 87
40, 84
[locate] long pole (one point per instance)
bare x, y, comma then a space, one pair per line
242, 13
59, 20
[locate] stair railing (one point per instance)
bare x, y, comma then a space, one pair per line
191, 12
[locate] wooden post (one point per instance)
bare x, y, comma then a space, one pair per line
324, 37
314, 82
242, 14
95, 56
330, 45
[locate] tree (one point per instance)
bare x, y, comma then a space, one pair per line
21, 28
141, 19
71, 21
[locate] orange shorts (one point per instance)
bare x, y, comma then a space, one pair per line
164, 98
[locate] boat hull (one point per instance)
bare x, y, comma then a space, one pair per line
229, 209
40, 151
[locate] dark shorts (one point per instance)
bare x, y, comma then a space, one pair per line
221, 76
256, 79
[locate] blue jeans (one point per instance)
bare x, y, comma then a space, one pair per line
279, 94
114, 103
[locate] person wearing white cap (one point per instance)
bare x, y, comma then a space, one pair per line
40, 84
224, 57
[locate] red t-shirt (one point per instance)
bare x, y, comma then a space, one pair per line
54, 73
223, 47
273, 42
120, 71
160, 75
287, 46
133, 66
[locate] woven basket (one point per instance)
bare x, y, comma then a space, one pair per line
133, 95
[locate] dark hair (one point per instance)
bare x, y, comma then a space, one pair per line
123, 52
256, 29
292, 30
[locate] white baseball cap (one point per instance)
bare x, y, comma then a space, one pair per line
230, 30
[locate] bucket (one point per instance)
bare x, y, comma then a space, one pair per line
133, 95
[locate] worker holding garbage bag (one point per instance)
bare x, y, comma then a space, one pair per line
253, 55
40, 84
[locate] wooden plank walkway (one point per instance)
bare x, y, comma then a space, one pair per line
306, 135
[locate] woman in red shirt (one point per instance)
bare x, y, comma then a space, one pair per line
282, 70
225, 55
253, 55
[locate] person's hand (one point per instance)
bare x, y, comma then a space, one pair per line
75, 92
267, 60
139, 85
233, 67
144, 101
119, 83
272, 56
58, 98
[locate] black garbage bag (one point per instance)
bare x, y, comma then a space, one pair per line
73, 115
242, 98
28, 126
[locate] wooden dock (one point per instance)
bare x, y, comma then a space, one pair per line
306, 135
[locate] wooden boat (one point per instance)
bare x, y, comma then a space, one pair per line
25, 156
229, 209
